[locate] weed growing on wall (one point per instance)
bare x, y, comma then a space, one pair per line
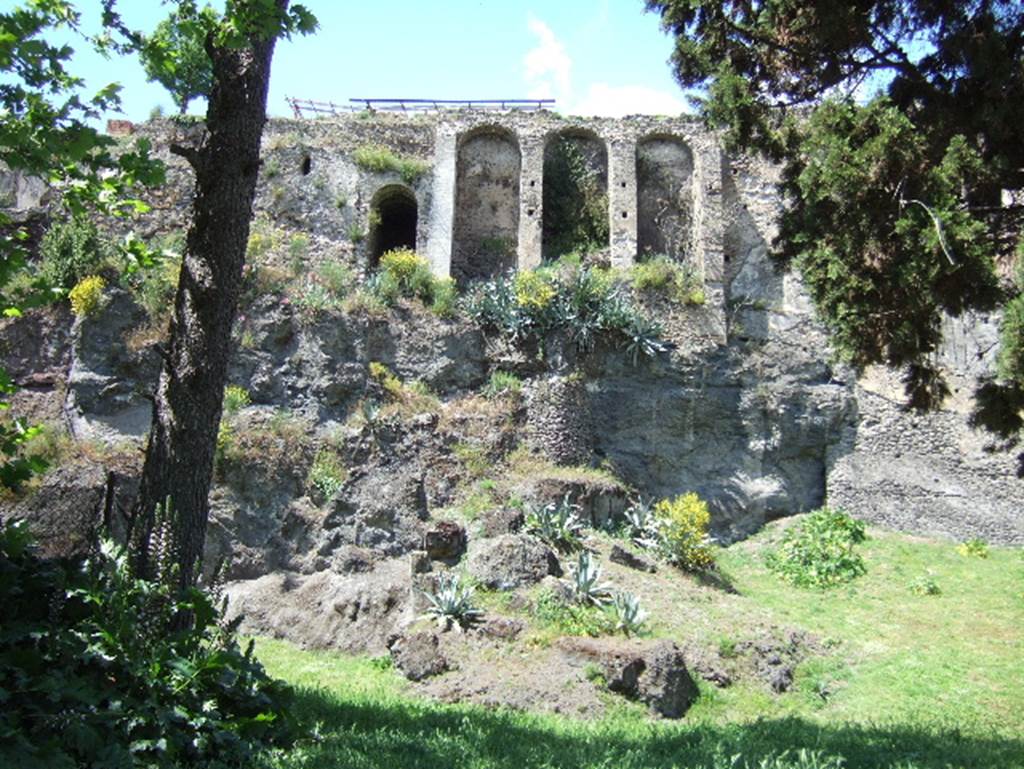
373, 157
664, 276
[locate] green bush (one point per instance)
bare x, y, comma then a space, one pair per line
72, 250
98, 669
819, 552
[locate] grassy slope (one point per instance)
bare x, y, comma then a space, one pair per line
916, 682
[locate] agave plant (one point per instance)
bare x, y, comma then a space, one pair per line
643, 337
557, 524
586, 586
452, 602
626, 613
640, 519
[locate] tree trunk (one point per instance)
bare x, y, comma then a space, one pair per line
188, 399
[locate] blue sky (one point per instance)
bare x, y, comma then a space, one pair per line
593, 56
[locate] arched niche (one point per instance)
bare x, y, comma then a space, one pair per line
664, 198
393, 217
575, 203
486, 229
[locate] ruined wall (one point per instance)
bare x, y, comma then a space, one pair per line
748, 409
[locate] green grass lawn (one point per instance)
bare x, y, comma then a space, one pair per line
910, 682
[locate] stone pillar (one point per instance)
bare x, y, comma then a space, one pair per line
442, 202
622, 201
709, 232
558, 423
531, 197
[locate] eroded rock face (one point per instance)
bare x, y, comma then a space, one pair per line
355, 612
511, 561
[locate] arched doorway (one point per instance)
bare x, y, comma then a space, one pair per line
664, 198
575, 194
393, 217
486, 234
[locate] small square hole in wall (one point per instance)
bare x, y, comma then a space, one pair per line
533, 182
625, 215
307, 165
529, 212
623, 185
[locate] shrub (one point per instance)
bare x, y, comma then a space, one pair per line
70, 251
97, 669
154, 287
502, 383
385, 379
86, 296
678, 532
410, 273
374, 157
820, 551
534, 289
446, 295
236, 398
338, 278
327, 474
452, 602
975, 547
557, 524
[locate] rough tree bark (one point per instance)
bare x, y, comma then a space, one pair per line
188, 398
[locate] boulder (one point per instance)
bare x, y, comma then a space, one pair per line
445, 541
654, 673
417, 655
513, 560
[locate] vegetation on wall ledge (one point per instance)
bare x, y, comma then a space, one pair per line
587, 303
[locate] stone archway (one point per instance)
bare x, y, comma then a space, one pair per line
393, 218
575, 201
486, 227
664, 198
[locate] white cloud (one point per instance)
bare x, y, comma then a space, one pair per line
618, 101
547, 66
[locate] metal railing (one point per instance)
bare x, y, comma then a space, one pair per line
302, 107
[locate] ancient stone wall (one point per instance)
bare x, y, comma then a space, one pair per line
749, 409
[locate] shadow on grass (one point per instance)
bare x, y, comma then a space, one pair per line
412, 735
